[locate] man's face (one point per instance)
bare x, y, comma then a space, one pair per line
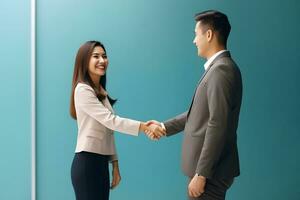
201, 40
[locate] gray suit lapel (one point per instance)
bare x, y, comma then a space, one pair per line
224, 54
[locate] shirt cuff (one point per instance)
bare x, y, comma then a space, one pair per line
163, 126
200, 175
113, 158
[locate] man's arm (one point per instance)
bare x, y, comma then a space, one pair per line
171, 126
176, 124
219, 94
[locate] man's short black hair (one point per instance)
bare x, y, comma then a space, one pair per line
216, 21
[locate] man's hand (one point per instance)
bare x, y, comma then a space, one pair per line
197, 185
154, 131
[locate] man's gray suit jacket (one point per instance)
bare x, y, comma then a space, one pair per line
210, 139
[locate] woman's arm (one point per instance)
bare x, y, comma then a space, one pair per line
87, 102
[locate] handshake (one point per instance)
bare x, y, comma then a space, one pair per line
154, 130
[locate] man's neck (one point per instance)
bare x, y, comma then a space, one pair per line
214, 50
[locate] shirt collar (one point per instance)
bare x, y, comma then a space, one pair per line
211, 59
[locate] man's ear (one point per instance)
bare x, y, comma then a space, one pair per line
209, 35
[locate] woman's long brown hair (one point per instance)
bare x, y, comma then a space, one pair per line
81, 74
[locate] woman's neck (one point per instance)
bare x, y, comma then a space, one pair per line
96, 80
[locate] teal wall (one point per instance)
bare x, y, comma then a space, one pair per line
153, 72
15, 100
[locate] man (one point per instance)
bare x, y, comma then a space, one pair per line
209, 151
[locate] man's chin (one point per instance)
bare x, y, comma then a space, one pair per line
201, 54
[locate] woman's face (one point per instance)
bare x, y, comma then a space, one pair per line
98, 63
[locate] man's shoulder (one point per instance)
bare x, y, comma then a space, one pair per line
224, 68
225, 63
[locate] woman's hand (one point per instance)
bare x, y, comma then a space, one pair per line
153, 130
116, 177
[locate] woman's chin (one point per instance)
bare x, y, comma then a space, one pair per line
102, 73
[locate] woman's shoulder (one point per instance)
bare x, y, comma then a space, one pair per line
83, 87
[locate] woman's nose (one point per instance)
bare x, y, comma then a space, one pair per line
101, 60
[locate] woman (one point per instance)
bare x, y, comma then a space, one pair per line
91, 106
